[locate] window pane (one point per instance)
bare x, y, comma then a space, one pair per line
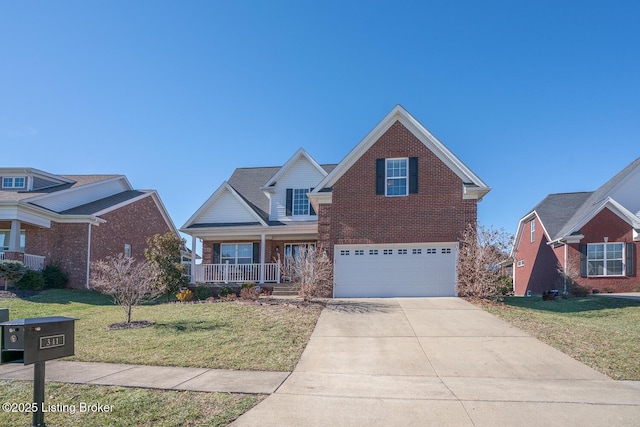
614, 251
228, 251
596, 268
397, 187
7, 182
595, 252
300, 202
614, 268
245, 251
19, 182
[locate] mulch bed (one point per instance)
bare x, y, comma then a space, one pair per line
16, 293
132, 325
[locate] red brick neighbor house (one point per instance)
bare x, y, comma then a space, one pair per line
592, 237
71, 220
390, 215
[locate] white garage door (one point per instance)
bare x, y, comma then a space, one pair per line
395, 270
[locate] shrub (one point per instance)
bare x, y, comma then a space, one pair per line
185, 295
202, 292
224, 292
54, 277
31, 281
248, 293
248, 285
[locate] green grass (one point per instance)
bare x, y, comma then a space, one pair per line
223, 335
603, 333
130, 407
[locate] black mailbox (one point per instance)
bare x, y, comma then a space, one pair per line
37, 339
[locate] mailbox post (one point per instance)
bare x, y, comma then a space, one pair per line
34, 341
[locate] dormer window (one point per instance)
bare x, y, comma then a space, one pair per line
298, 202
13, 182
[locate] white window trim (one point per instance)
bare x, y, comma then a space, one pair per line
605, 259
520, 263
236, 252
305, 191
387, 178
13, 181
532, 227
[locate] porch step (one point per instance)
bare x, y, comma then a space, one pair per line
284, 290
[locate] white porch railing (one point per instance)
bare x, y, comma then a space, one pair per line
236, 273
34, 262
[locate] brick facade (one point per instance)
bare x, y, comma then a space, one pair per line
437, 213
606, 224
65, 244
540, 274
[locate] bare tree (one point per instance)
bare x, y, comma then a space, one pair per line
481, 252
311, 272
127, 282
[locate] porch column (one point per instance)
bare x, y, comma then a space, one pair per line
14, 236
262, 251
193, 260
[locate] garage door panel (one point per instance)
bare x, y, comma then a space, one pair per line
395, 270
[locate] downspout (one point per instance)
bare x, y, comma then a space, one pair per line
564, 292
88, 255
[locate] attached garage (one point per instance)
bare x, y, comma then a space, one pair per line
395, 270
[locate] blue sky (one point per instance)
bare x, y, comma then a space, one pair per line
535, 97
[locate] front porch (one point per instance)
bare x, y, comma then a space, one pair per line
237, 273
32, 262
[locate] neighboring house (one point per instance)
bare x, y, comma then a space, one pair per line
390, 215
591, 236
71, 220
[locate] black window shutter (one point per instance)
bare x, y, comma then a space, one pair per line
583, 260
631, 270
216, 253
289, 201
311, 210
413, 175
380, 176
256, 252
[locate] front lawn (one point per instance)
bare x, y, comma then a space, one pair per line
223, 335
123, 407
601, 332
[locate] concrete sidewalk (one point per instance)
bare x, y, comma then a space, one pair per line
162, 377
439, 362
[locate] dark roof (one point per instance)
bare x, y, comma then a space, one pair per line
248, 182
559, 213
102, 204
597, 197
556, 209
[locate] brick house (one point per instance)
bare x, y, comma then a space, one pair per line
390, 215
71, 220
591, 237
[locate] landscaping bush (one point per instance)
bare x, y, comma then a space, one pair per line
248, 293
31, 281
203, 292
54, 277
224, 291
185, 295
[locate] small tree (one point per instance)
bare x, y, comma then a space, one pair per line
311, 272
164, 252
481, 252
11, 271
127, 282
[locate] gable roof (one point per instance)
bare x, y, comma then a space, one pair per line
563, 214
247, 184
474, 186
301, 153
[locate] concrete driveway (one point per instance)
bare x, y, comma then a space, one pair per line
440, 362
